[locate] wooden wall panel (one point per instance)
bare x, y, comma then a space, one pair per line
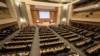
54, 16
78, 16
81, 15
35, 16
95, 16
97, 12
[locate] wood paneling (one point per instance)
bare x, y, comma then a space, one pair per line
54, 16
95, 15
35, 16
81, 15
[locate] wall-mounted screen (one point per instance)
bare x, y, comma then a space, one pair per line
44, 14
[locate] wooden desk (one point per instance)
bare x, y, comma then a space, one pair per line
93, 48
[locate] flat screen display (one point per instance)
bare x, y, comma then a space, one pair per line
44, 14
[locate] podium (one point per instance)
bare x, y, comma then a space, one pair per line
46, 24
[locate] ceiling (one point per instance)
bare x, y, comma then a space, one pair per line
56, 1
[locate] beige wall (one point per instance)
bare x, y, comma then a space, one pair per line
15, 16
8, 20
29, 15
70, 12
12, 13
42, 4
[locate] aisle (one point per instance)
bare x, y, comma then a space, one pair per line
35, 50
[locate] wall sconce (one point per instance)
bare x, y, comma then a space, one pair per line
65, 6
51, 21
17, 2
37, 21
63, 20
97, 5
22, 20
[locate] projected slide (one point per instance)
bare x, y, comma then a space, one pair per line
44, 14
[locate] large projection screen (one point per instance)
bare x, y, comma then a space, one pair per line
44, 14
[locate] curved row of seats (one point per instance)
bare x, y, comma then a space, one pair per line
94, 30
86, 33
93, 50
86, 26
50, 44
83, 42
6, 32
51, 50
20, 44
72, 35
93, 37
